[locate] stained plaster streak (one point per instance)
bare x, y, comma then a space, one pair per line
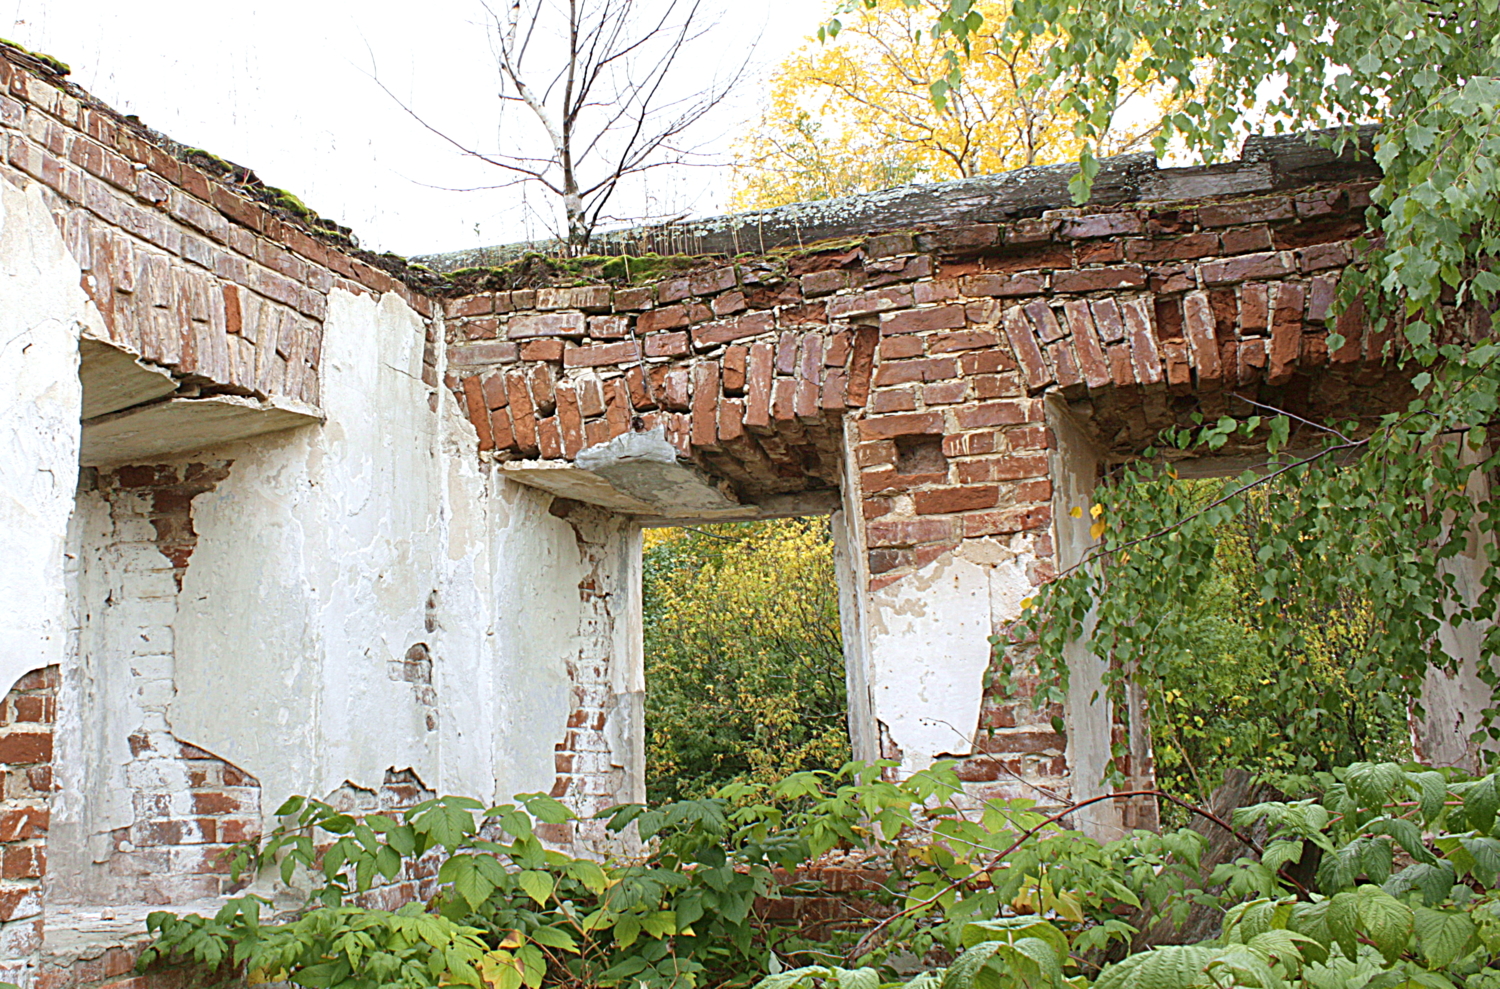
929, 649
42, 310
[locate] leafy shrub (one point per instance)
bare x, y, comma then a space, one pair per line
1388, 878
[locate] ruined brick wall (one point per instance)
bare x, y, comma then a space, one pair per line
182, 807
943, 346
191, 270
27, 714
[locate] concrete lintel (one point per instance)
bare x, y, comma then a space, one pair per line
181, 425
114, 379
635, 474
822, 502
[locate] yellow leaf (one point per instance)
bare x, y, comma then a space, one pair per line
1027, 603
1077, 512
1097, 529
1096, 511
513, 939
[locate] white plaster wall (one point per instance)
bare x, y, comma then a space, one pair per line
43, 310
537, 612
316, 562
927, 639
1075, 470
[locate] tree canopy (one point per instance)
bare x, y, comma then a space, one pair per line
858, 115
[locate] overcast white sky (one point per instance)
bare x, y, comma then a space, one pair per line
284, 87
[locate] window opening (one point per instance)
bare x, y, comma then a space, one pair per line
744, 657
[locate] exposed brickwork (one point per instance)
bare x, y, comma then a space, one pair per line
27, 715
591, 775
188, 269
1138, 316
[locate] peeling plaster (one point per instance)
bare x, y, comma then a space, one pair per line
928, 647
42, 311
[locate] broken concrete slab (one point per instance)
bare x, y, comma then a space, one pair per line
181, 425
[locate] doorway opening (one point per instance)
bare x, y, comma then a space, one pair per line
744, 655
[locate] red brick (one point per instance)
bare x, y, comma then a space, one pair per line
865, 303
835, 390
23, 861
927, 369
946, 500
945, 392
1002, 413
218, 802
667, 344
1322, 256
1065, 366
1199, 324
569, 418
893, 400
1243, 212
759, 374
896, 348
1044, 321
549, 438
1142, 339
947, 343
861, 364
884, 427
600, 354
635, 383
1003, 286
754, 324
551, 324
522, 412
1286, 332
784, 399
1099, 279
908, 532
24, 748
23, 823
634, 299
1196, 245
1091, 362
1254, 309
923, 320
987, 362
549, 350
1247, 267
705, 404
1246, 240
1101, 225
1023, 339
1009, 520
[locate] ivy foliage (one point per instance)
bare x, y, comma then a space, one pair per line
1387, 878
744, 656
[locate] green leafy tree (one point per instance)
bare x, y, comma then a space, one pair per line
744, 656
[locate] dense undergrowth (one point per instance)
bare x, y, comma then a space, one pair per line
1387, 877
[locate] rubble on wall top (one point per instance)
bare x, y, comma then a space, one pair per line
1266, 164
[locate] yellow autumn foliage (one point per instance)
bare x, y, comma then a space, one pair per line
856, 113
744, 658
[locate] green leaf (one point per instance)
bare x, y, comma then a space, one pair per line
537, 885
1386, 921
1444, 935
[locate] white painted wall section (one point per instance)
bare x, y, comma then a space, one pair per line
43, 311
